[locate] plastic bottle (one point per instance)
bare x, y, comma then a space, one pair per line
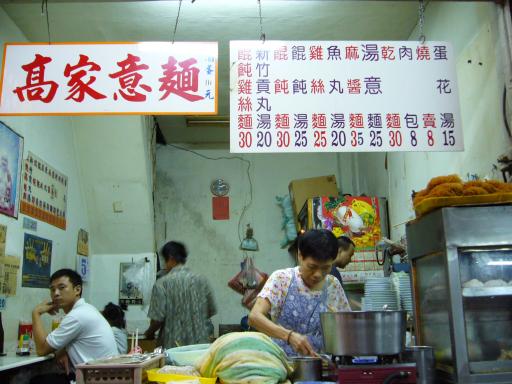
26, 341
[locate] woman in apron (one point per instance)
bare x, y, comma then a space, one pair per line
295, 297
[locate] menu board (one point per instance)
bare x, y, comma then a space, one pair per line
44, 192
343, 96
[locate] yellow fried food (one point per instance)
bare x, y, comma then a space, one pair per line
419, 197
490, 188
473, 191
434, 182
500, 186
446, 189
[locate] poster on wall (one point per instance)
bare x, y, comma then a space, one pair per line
82, 267
11, 155
9, 266
136, 78
357, 217
37, 258
45, 190
343, 96
83, 243
3, 237
130, 286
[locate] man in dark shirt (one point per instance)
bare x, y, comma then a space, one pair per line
346, 250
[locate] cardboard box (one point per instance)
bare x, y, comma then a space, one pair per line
302, 189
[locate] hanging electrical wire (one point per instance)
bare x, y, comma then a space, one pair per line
249, 164
262, 34
177, 20
44, 10
421, 11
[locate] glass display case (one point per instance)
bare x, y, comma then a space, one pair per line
462, 279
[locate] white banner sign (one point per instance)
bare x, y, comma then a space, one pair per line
110, 78
343, 96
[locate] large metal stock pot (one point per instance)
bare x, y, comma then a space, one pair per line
363, 333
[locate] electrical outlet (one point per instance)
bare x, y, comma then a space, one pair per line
118, 206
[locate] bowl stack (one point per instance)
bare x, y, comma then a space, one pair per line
402, 283
379, 293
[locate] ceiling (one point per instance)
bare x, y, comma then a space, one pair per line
213, 20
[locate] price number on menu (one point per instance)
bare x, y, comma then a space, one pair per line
301, 139
449, 138
245, 139
357, 138
395, 139
338, 139
320, 139
263, 139
283, 139
375, 139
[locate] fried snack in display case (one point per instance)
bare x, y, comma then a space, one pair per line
462, 281
446, 191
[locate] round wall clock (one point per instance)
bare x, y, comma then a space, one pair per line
219, 187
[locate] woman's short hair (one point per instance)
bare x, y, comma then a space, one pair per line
319, 244
114, 314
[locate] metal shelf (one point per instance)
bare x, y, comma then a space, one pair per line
487, 291
494, 366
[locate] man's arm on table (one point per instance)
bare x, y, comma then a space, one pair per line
42, 346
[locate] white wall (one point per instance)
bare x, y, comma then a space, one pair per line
473, 30
52, 139
115, 166
184, 212
107, 160
115, 156
104, 285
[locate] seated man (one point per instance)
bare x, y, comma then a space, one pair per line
83, 333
